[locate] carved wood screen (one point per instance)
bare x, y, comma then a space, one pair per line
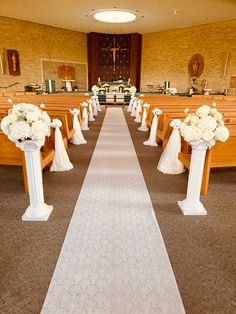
114, 57
111, 57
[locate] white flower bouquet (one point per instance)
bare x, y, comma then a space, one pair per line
26, 122
206, 124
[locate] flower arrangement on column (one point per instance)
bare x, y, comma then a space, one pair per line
27, 125
201, 130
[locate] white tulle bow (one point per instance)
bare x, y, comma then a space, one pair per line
61, 161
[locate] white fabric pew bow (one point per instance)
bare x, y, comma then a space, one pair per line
143, 126
61, 161
132, 98
94, 105
138, 117
84, 126
152, 141
90, 106
169, 162
78, 137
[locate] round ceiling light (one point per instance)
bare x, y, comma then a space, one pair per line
114, 16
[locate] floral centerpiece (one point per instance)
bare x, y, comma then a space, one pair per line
205, 125
26, 122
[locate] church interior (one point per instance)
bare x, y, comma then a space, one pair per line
118, 157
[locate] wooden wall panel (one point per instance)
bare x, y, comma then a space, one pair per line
93, 59
135, 56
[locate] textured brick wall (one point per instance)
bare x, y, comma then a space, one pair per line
165, 55
35, 42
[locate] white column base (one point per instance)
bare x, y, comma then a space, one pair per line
40, 213
143, 129
138, 120
149, 143
85, 128
192, 208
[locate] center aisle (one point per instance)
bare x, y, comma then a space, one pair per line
113, 259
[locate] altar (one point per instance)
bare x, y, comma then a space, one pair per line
114, 86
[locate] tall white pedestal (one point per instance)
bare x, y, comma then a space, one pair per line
37, 210
191, 205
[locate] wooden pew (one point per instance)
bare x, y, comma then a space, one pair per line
219, 156
164, 130
171, 112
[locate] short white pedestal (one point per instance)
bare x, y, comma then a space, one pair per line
191, 205
68, 85
37, 210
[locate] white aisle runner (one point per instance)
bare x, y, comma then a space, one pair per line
113, 259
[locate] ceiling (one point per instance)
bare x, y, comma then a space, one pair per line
154, 15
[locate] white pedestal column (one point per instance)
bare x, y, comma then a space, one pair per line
191, 205
37, 210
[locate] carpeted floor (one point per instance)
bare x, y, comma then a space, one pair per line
201, 249
113, 258
29, 250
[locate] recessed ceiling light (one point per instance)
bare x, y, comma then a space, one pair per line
115, 16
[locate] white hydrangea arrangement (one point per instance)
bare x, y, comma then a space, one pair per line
26, 122
206, 124
95, 89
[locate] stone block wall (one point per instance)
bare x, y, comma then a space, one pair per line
165, 55
35, 42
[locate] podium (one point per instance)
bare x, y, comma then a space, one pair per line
68, 85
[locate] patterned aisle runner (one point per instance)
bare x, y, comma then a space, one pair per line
113, 259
